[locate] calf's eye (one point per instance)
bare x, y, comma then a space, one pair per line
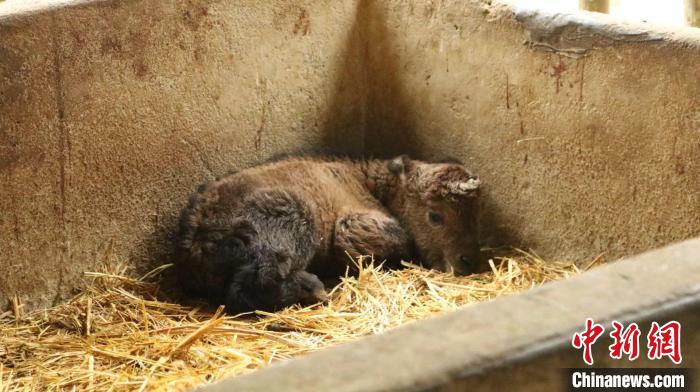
435, 218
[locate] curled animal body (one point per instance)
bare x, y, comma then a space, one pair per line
266, 237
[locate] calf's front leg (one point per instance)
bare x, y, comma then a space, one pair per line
372, 233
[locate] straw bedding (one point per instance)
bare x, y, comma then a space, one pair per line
119, 333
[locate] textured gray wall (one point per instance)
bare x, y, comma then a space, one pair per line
113, 111
586, 134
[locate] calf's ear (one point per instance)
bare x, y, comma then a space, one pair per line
400, 164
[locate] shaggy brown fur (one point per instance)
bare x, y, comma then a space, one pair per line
247, 239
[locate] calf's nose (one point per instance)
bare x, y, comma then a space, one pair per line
464, 259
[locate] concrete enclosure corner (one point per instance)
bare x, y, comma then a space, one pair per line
586, 132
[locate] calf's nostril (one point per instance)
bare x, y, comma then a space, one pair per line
465, 259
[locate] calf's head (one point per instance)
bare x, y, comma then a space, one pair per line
439, 206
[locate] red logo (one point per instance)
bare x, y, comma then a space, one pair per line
625, 341
586, 339
665, 341
662, 341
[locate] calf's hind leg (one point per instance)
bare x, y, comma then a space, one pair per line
273, 276
247, 292
372, 232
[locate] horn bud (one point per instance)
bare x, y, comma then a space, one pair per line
462, 188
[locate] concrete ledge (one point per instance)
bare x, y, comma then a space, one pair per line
20, 9
470, 347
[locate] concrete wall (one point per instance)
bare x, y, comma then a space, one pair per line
111, 112
586, 132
